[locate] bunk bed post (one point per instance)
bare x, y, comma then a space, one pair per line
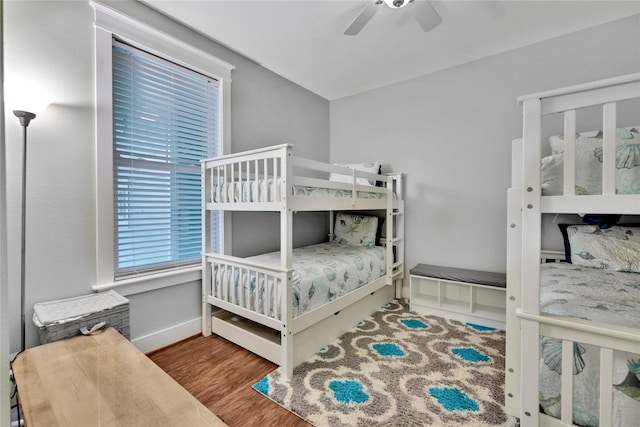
514, 274
206, 246
286, 254
531, 242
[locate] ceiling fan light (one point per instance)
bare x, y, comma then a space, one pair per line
396, 4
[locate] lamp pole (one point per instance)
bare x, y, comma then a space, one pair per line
25, 117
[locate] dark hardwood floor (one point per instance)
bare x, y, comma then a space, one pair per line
220, 375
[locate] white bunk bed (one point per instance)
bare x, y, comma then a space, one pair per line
529, 319
265, 320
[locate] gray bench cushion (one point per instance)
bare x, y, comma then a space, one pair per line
461, 275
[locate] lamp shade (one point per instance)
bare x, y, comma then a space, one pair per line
27, 96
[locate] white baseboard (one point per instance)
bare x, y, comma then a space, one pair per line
168, 336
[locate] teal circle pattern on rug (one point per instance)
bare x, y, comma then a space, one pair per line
348, 391
263, 386
452, 399
470, 354
481, 328
388, 349
414, 323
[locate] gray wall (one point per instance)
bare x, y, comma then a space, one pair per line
52, 42
451, 133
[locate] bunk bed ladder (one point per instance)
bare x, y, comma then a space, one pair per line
395, 232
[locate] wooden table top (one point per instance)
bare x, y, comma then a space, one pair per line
101, 380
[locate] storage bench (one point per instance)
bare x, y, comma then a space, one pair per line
462, 294
61, 319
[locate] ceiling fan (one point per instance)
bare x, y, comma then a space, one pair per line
423, 12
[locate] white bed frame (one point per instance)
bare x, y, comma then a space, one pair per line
525, 322
288, 341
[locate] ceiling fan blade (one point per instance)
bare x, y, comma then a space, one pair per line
362, 19
426, 15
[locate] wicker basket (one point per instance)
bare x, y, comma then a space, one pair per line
61, 319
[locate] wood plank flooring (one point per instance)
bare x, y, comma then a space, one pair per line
220, 375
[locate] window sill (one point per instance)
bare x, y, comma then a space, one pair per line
151, 282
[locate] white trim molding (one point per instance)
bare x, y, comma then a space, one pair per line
110, 23
158, 42
153, 281
168, 336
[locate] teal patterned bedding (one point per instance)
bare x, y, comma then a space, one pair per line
588, 160
266, 191
600, 295
322, 273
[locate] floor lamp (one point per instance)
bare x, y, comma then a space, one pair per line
25, 118
30, 98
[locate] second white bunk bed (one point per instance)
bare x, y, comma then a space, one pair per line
554, 327
250, 301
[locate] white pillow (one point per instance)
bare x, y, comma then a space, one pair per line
371, 167
616, 248
355, 230
588, 174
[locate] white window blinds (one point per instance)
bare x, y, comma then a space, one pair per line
166, 118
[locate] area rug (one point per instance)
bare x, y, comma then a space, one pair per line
398, 368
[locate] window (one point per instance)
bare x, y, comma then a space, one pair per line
162, 105
165, 120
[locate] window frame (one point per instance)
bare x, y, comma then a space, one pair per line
110, 23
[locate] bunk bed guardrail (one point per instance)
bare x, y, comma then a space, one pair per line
258, 179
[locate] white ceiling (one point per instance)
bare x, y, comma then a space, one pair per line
303, 40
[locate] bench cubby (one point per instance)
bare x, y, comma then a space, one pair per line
466, 295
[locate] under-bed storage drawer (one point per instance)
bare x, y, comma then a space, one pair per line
460, 300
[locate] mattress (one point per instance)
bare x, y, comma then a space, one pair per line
322, 273
267, 191
607, 296
599, 295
